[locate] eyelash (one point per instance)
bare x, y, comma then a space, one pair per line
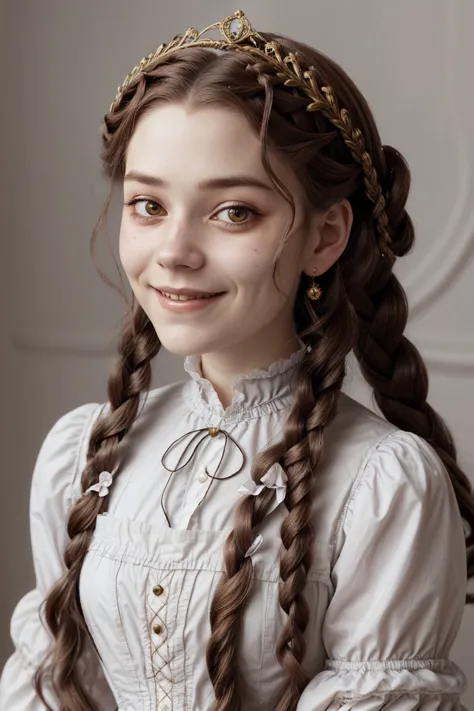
145, 220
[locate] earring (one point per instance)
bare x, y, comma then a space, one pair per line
314, 292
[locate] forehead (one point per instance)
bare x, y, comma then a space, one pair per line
174, 141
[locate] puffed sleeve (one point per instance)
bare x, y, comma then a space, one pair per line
400, 584
51, 495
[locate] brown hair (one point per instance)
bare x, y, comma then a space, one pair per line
363, 308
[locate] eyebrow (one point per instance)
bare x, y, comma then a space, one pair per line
229, 181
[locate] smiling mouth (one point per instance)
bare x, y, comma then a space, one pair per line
184, 297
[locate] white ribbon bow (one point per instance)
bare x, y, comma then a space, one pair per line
275, 478
102, 487
255, 546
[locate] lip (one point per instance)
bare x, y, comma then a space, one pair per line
183, 292
180, 306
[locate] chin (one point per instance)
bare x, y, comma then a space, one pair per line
184, 346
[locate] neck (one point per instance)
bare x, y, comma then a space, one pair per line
219, 367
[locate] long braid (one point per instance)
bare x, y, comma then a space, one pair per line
138, 344
233, 590
331, 334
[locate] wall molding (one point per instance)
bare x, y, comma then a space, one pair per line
453, 355
63, 342
457, 356
451, 252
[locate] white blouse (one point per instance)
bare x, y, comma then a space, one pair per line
386, 589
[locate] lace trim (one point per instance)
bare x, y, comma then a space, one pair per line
208, 398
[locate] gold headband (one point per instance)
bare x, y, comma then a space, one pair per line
238, 34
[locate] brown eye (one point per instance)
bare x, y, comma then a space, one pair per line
152, 208
235, 215
238, 214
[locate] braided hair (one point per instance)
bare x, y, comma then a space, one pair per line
338, 154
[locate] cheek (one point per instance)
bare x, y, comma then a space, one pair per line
256, 273
133, 254
251, 269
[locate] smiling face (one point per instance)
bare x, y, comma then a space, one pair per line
206, 224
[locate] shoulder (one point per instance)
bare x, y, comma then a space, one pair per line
61, 457
56, 480
388, 455
355, 423
368, 460
404, 467
380, 446
349, 441
362, 438
400, 471
63, 453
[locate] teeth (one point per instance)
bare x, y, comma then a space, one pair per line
182, 297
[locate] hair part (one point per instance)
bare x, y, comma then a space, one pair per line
363, 308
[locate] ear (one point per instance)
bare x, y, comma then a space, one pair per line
331, 231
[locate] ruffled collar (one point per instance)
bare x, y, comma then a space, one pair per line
259, 392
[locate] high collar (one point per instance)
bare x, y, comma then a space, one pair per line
258, 392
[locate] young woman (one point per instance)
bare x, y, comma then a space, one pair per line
250, 537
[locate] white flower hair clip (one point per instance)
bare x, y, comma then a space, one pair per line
102, 487
275, 478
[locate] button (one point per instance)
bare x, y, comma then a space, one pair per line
157, 629
202, 477
157, 589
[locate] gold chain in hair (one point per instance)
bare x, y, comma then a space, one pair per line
237, 34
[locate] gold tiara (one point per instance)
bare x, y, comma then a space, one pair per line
236, 33
235, 30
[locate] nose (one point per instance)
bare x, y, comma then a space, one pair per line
179, 245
